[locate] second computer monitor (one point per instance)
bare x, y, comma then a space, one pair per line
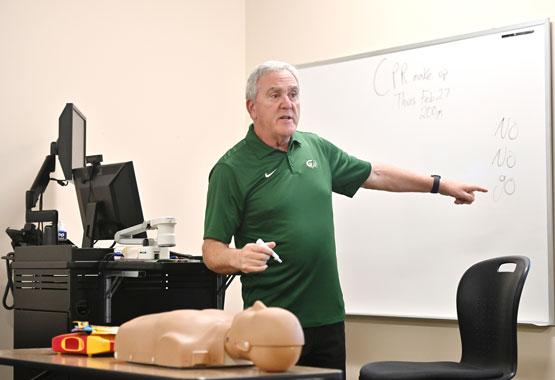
108, 199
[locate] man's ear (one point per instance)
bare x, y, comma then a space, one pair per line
251, 109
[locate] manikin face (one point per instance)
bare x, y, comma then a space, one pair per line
272, 338
275, 111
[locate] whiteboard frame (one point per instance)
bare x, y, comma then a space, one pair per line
550, 139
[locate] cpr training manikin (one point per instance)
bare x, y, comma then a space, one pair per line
270, 337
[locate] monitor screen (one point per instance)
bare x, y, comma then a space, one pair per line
108, 199
71, 139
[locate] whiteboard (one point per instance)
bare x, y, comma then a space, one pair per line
473, 108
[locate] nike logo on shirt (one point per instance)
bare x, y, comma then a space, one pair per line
268, 175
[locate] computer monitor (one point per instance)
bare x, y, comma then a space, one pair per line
108, 200
71, 139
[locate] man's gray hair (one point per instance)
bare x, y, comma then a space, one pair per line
263, 68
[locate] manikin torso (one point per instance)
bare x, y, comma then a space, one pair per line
271, 338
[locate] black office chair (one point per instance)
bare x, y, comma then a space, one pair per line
487, 306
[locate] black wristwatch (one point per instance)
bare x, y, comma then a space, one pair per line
435, 186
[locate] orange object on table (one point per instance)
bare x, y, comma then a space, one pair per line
83, 343
86, 339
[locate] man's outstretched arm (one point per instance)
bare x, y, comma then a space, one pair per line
390, 178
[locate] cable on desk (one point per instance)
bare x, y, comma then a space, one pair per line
9, 286
44, 375
185, 256
106, 259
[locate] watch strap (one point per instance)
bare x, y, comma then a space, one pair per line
435, 186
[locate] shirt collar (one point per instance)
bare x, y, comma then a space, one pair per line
262, 150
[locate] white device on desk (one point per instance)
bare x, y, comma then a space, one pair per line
148, 248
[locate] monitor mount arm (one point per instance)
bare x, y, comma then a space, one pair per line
33, 194
91, 210
150, 248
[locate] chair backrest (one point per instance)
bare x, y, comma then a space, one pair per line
487, 307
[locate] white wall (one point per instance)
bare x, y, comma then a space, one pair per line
160, 82
302, 31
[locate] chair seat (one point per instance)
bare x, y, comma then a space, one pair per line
426, 371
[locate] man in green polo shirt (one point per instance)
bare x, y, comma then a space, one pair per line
276, 185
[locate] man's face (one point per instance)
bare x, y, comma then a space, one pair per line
275, 111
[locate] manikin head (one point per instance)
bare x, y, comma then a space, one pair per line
270, 337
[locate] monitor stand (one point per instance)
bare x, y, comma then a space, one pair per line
89, 227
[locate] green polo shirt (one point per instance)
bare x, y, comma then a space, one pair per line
256, 191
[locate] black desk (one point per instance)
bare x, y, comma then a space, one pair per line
110, 368
63, 283
55, 285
